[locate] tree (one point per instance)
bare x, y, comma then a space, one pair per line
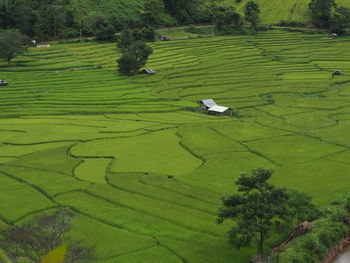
301, 205
152, 10
36, 238
321, 11
105, 33
185, 11
251, 12
339, 20
12, 44
226, 17
134, 58
256, 208
126, 38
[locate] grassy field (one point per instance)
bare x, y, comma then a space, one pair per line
145, 173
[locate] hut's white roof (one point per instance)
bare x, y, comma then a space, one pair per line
150, 70
217, 108
209, 103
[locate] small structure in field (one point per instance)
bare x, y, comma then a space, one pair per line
3, 83
149, 71
333, 35
207, 104
43, 45
219, 110
337, 73
164, 38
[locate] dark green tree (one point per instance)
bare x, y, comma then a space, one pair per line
256, 209
302, 206
12, 44
321, 11
185, 11
340, 19
126, 38
152, 11
105, 33
134, 58
225, 17
252, 12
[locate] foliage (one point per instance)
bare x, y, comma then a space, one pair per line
226, 17
302, 207
134, 58
339, 20
126, 38
312, 247
105, 33
12, 44
36, 238
152, 12
185, 11
251, 12
321, 11
256, 209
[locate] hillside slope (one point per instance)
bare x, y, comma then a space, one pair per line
274, 11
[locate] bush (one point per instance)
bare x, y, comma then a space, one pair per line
314, 246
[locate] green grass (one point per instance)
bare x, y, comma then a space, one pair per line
145, 173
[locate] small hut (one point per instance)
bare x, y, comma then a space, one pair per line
207, 104
149, 71
3, 83
333, 35
220, 110
164, 38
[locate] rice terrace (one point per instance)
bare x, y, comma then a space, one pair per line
142, 167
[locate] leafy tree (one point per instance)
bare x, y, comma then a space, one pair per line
251, 12
185, 11
35, 239
321, 11
12, 44
126, 38
105, 33
301, 205
339, 20
256, 208
134, 58
152, 10
226, 17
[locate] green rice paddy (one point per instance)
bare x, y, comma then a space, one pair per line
146, 173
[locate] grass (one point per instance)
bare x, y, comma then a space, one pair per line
144, 171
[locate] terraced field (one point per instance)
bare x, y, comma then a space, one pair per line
145, 172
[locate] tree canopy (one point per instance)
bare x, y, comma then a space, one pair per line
12, 44
256, 208
134, 58
252, 11
321, 11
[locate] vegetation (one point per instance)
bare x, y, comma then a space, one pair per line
35, 239
256, 209
12, 44
76, 133
134, 58
252, 12
326, 233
